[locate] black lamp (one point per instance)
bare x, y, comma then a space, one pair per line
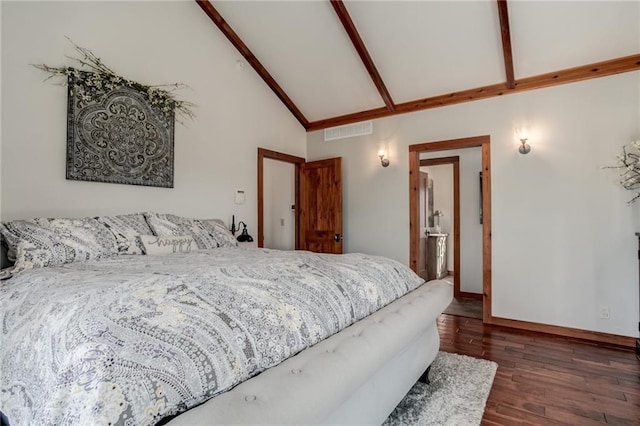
244, 237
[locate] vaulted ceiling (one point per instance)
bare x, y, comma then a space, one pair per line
335, 62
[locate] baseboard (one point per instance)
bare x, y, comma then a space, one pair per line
593, 336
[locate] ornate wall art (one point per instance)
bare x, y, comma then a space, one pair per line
118, 130
115, 134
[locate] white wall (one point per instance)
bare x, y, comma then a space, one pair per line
153, 43
279, 196
470, 227
563, 235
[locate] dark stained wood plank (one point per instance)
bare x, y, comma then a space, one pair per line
570, 75
505, 33
358, 44
487, 252
231, 35
549, 380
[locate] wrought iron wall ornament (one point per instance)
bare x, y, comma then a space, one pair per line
118, 130
115, 134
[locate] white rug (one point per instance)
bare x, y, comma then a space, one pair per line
456, 396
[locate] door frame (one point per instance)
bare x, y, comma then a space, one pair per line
484, 143
455, 162
287, 158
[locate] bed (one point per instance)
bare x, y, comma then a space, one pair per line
199, 331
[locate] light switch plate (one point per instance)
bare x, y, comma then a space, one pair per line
239, 196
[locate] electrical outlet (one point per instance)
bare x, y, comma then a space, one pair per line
604, 312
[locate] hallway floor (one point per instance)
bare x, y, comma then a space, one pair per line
462, 306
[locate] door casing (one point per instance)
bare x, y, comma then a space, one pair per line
299, 164
287, 158
414, 170
457, 261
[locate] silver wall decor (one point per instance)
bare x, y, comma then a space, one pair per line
115, 134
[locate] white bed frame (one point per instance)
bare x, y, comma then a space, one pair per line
357, 376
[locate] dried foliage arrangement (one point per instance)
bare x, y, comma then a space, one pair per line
629, 166
100, 80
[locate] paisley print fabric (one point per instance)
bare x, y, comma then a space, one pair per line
44, 242
127, 229
208, 234
131, 340
223, 237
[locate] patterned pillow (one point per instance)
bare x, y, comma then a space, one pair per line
223, 236
206, 234
127, 229
165, 245
44, 242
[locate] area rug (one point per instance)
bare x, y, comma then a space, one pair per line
456, 396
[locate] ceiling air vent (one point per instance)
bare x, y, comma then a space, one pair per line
348, 131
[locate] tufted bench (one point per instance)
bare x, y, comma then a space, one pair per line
356, 376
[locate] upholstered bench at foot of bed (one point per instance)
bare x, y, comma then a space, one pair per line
354, 377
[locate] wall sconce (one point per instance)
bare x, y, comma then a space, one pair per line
244, 237
384, 161
523, 135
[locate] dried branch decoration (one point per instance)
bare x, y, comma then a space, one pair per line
103, 79
629, 166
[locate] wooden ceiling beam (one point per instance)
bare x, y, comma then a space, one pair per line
352, 32
506, 43
570, 75
231, 35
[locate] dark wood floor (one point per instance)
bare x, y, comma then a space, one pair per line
548, 380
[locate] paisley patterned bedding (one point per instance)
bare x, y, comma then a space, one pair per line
134, 339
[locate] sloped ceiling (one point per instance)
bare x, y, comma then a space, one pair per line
422, 50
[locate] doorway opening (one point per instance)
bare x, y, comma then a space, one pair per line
279, 205
483, 142
266, 154
317, 210
426, 209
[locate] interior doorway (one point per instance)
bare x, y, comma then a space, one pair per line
279, 205
414, 206
266, 155
454, 236
317, 211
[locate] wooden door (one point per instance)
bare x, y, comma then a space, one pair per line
422, 228
321, 206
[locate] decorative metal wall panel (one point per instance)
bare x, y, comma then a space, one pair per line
115, 135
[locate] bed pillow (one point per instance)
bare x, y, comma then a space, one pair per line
127, 229
219, 231
207, 235
165, 245
45, 242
